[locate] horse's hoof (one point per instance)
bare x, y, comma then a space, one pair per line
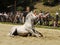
41, 36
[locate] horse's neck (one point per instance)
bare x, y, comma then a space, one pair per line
28, 23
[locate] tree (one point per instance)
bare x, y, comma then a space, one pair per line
5, 4
50, 2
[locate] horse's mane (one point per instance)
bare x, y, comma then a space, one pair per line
29, 14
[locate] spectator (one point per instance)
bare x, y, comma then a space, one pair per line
57, 18
1, 16
6, 16
54, 23
25, 13
0, 13
18, 17
47, 18
9, 17
41, 18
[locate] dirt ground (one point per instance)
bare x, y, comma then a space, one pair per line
51, 37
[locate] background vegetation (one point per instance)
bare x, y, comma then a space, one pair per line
9, 4
45, 5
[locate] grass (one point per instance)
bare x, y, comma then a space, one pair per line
38, 26
48, 27
52, 10
10, 23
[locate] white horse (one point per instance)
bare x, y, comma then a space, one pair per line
26, 28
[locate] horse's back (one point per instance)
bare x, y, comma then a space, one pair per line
20, 29
16, 27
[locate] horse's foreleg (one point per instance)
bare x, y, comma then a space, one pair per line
32, 32
37, 32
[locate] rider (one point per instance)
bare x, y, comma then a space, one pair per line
25, 13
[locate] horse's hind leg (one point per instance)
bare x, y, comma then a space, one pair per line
13, 33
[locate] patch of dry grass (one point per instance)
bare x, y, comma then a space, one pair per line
52, 10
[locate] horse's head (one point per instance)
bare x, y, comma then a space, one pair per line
31, 16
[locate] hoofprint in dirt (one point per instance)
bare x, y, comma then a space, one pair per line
51, 37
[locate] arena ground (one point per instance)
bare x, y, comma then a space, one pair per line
51, 37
